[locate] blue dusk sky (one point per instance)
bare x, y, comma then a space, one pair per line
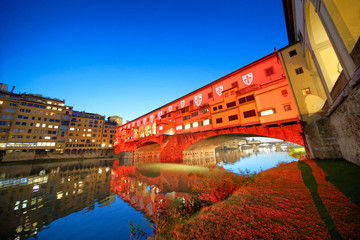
126, 58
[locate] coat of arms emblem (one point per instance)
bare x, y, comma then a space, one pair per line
198, 99
151, 118
219, 90
138, 123
247, 78
182, 103
159, 114
144, 121
170, 108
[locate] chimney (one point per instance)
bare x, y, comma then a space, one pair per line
12, 90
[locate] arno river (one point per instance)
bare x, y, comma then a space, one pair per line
82, 199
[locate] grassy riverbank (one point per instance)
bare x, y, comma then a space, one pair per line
306, 199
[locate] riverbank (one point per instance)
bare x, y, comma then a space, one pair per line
306, 199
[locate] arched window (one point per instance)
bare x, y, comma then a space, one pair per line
346, 17
324, 52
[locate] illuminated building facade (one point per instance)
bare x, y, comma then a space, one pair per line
32, 122
322, 63
33, 126
255, 99
108, 134
85, 131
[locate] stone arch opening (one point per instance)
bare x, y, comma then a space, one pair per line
153, 128
141, 132
346, 17
147, 130
326, 57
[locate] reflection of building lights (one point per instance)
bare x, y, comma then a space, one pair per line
107, 169
267, 112
100, 170
24, 203
36, 188
59, 195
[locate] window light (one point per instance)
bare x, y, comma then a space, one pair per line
267, 112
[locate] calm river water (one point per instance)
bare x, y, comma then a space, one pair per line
95, 199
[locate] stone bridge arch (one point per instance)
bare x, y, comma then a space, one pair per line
172, 149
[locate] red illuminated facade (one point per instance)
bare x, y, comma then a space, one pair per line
256, 99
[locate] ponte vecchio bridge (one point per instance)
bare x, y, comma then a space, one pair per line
254, 100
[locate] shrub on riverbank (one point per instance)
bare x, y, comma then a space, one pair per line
207, 190
296, 151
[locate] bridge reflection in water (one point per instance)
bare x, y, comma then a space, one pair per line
149, 185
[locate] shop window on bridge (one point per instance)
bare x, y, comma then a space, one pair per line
204, 111
184, 110
306, 91
186, 117
215, 108
299, 70
292, 53
287, 107
250, 98
242, 100
246, 99
219, 120
220, 107
269, 71
250, 113
233, 117
231, 104
205, 122
194, 114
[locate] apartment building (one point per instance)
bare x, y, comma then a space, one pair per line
85, 131
38, 124
31, 121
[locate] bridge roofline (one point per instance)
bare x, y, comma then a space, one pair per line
211, 83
